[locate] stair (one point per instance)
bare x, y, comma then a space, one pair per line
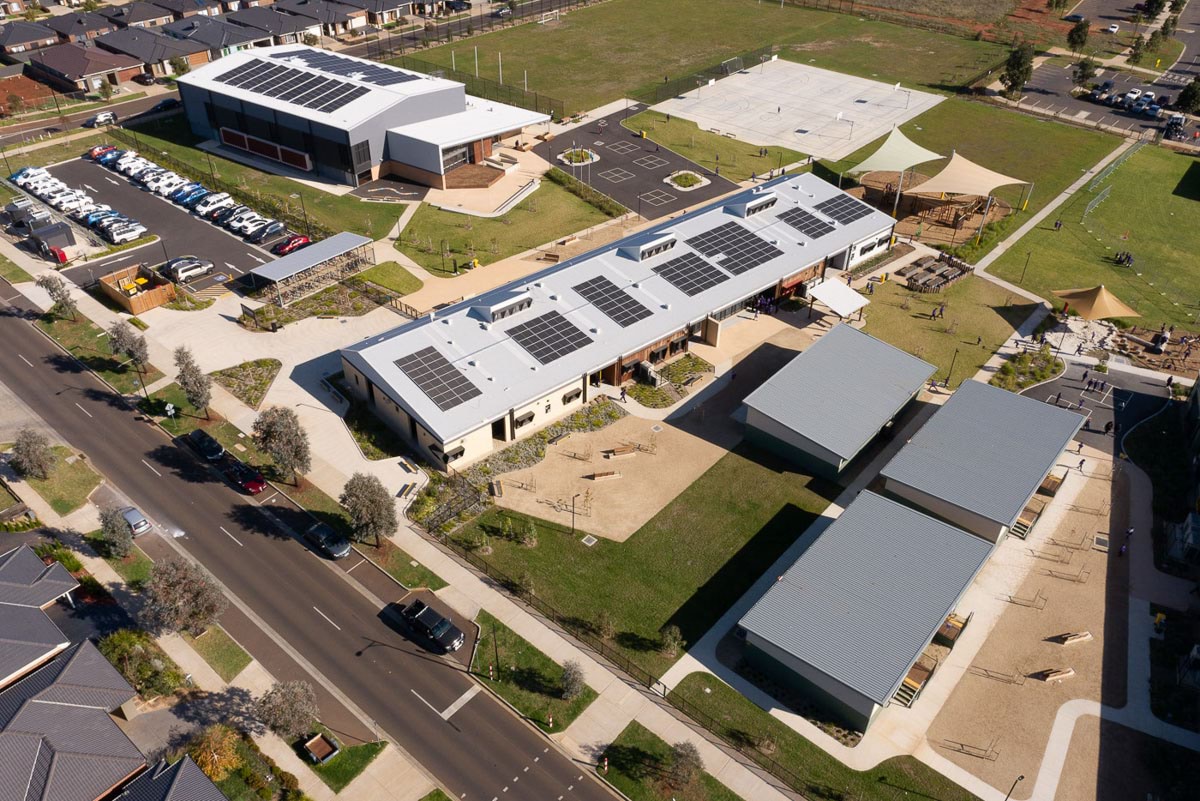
1020, 529
906, 693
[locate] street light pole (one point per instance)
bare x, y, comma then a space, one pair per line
1020, 778
573, 497
1026, 267
953, 359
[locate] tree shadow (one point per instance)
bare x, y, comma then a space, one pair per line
181, 463
252, 518
105, 396
636, 642
532, 681
234, 706
62, 363
636, 763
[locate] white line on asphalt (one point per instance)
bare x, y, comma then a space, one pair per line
268, 500
256, 258
235, 539
152, 470
90, 188
10, 300
422, 699
85, 411
22, 358
461, 702
322, 614
111, 181
360, 561
230, 266
121, 258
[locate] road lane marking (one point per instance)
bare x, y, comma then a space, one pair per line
111, 181
152, 470
90, 188
461, 702
239, 542
256, 258
422, 699
22, 358
114, 261
322, 614
230, 266
80, 408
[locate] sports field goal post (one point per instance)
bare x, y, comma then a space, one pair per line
731, 65
548, 16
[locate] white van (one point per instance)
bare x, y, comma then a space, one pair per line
218, 200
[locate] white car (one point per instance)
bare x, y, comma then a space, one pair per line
31, 176
247, 223
127, 234
1114, 28
155, 181
169, 184
74, 203
234, 223
212, 202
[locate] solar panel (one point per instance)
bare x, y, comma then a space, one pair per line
621, 307
690, 274
442, 382
742, 249
225, 77
844, 209
334, 105
377, 74
549, 336
807, 223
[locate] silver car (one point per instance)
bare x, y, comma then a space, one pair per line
138, 524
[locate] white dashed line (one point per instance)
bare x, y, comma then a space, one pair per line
22, 358
152, 470
80, 408
322, 614
239, 542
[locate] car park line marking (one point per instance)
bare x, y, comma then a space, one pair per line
359, 563
268, 500
230, 266
152, 470
256, 258
111, 181
90, 188
85, 411
322, 614
235, 539
22, 358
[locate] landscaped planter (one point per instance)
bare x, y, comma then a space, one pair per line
578, 156
321, 748
686, 180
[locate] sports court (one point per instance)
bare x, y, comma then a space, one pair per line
820, 112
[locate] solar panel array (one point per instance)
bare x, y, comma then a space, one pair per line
621, 307
441, 381
549, 336
743, 249
690, 274
291, 85
844, 209
378, 74
807, 223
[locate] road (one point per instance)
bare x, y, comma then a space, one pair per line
12, 135
480, 751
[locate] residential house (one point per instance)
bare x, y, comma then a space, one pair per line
230, 6
335, 18
79, 27
136, 15
283, 28
220, 37
21, 36
182, 9
182, 781
382, 12
28, 638
72, 67
154, 50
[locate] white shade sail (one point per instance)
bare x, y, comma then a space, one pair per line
963, 177
897, 153
842, 299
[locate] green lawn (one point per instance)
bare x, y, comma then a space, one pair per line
345, 767
821, 775
11, 272
1151, 213
595, 55
133, 569
975, 307
249, 381
401, 566
391, 275
219, 650
684, 567
89, 344
525, 677
639, 763
436, 795
69, 484
737, 159
1001, 140
550, 213
52, 154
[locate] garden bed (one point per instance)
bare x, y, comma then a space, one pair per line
249, 381
1026, 369
686, 180
133, 569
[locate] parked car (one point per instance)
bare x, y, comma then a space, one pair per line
1074, 18
129, 233
238, 222
243, 475
170, 104
292, 243
502, 12
1114, 28
271, 229
176, 194
254, 226
185, 268
228, 213
328, 541
144, 78
203, 443
103, 118
110, 157
190, 200
138, 524
212, 202
430, 623
99, 150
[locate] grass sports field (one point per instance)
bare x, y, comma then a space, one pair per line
1151, 213
596, 55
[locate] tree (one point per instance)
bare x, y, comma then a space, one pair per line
180, 65
180, 596
370, 506
278, 432
1170, 25
16, 104
672, 641
1077, 37
196, 385
31, 13
606, 627
1056, 5
311, 39
1018, 69
90, 5
120, 336
1138, 50
215, 751
289, 708
31, 454
59, 294
1084, 72
116, 532
1155, 42
686, 764
573, 684
1189, 99
106, 91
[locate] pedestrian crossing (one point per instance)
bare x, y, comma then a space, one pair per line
212, 292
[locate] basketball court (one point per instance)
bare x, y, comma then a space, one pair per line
818, 112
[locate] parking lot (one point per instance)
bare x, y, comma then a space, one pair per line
1050, 89
181, 233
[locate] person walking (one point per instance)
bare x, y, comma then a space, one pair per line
1085, 375
978, 340
1058, 399
1129, 534
624, 395
1081, 463
1108, 427
1121, 552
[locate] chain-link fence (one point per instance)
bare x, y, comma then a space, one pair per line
487, 88
674, 87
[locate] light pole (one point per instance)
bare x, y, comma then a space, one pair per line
1026, 267
1016, 781
304, 210
162, 242
573, 497
950, 373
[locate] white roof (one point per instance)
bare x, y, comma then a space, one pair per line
505, 376
842, 299
481, 119
377, 99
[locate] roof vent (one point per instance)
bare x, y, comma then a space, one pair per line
445, 321
554, 297
666, 307
471, 362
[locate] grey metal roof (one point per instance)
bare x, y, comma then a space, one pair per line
842, 390
985, 450
213, 32
21, 32
183, 781
148, 46
867, 596
27, 636
300, 260
26, 581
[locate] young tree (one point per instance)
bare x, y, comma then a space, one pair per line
1077, 37
1189, 99
278, 432
1155, 42
16, 104
686, 764
1018, 69
180, 596
289, 708
606, 627
1084, 72
196, 385
573, 684
115, 531
57, 289
106, 91
1138, 50
1056, 5
180, 65
672, 641
1170, 25
120, 336
216, 752
31, 454
311, 39
370, 506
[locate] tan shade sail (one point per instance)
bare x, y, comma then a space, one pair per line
1096, 303
963, 177
897, 153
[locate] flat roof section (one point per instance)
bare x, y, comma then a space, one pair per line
481, 119
307, 257
842, 390
985, 450
866, 597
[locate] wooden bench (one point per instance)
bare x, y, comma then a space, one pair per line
692, 380
497, 489
605, 476
406, 490
621, 452
1057, 674
557, 438
553, 258
1074, 637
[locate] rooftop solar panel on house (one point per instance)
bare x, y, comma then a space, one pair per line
690, 274
621, 307
844, 209
743, 250
441, 381
807, 223
549, 336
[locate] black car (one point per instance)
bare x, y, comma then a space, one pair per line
426, 620
170, 104
328, 541
243, 475
269, 231
205, 445
144, 78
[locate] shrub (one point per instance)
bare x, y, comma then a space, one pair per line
585, 193
143, 664
573, 684
61, 554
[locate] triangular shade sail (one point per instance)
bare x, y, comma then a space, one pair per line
897, 153
963, 177
842, 299
1096, 303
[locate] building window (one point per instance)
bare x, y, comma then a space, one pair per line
729, 311
454, 157
457, 453
523, 420
571, 396
361, 153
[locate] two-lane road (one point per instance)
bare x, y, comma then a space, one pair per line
427, 704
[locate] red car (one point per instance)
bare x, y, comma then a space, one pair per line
243, 475
290, 244
99, 150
